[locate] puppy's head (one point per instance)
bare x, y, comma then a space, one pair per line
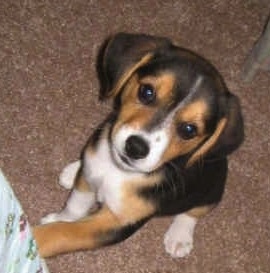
172, 103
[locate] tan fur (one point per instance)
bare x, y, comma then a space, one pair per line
136, 208
200, 211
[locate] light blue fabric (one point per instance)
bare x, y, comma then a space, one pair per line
18, 250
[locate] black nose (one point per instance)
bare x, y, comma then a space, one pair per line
136, 147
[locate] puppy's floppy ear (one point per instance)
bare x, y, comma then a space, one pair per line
228, 135
122, 55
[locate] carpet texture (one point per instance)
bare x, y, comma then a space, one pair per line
49, 107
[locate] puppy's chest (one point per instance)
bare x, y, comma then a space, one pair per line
105, 178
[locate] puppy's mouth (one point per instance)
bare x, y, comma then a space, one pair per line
125, 160
122, 161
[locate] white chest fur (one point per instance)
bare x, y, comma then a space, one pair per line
104, 177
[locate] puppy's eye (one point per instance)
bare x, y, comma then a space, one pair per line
187, 130
146, 94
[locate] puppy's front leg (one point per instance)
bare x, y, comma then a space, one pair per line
101, 228
94, 231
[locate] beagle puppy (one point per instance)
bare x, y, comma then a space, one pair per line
161, 151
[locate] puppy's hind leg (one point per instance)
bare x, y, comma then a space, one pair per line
68, 175
78, 205
178, 240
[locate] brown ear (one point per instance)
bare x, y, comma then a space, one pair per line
209, 143
122, 55
127, 74
228, 134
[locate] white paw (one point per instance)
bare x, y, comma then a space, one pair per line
44, 266
50, 218
178, 240
57, 217
178, 246
68, 175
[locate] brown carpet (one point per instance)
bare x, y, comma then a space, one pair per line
49, 107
